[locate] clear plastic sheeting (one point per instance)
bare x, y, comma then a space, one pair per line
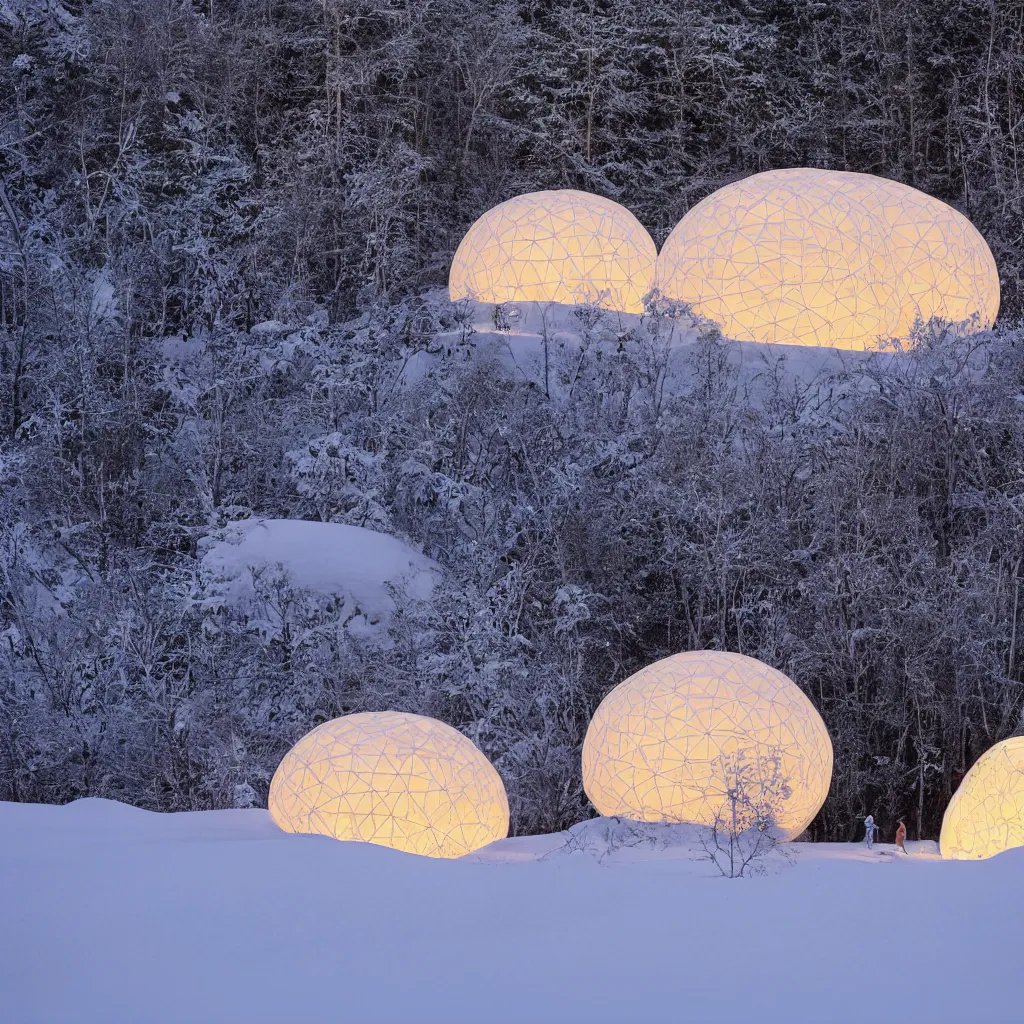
397, 780
669, 743
816, 257
986, 814
558, 246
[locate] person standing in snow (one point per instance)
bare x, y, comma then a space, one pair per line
870, 830
901, 836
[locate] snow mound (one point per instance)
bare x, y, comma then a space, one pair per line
607, 840
615, 840
363, 568
620, 839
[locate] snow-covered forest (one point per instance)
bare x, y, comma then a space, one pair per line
223, 228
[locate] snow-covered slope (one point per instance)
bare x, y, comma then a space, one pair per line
357, 564
110, 914
545, 342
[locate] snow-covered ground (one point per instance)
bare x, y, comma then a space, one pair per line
111, 914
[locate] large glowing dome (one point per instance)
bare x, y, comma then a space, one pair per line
662, 744
562, 246
812, 257
986, 814
398, 780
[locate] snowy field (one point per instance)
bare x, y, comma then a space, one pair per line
113, 914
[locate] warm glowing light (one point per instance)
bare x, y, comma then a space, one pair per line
812, 257
398, 780
655, 747
562, 246
986, 814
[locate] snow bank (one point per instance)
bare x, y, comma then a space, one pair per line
360, 566
109, 914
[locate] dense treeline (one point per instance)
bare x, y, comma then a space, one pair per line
174, 173
228, 158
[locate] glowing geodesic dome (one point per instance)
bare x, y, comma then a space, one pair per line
986, 814
398, 780
559, 246
813, 257
656, 746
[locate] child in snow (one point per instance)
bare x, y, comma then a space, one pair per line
901, 835
870, 830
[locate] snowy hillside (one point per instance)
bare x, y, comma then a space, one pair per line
546, 344
111, 914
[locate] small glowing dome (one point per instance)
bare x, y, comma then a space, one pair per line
986, 814
812, 257
398, 780
655, 746
562, 246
